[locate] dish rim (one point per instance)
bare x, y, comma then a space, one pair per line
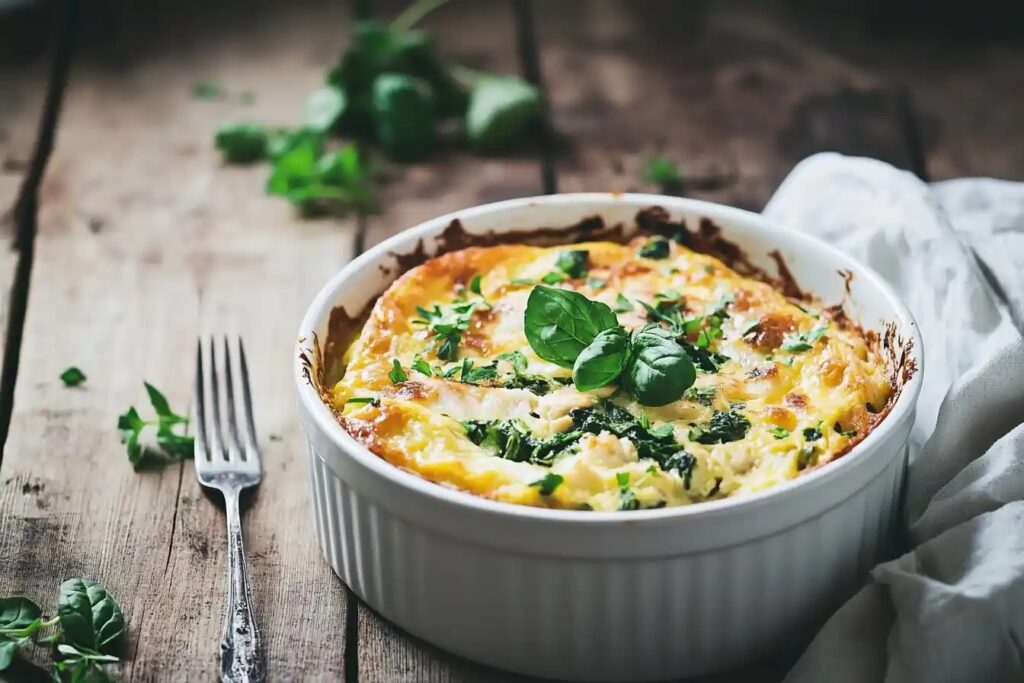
324, 419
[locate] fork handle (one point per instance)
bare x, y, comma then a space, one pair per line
241, 648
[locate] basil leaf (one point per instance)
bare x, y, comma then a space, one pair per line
602, 360
559, 324
89, 617
72, 377
500, 110
323, 109
660, 370
242, 144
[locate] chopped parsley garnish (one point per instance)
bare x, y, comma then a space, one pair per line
654, 248
704, 359
554, 277
839, 430
702, 395
474, 284
808, 456
397, 374
72, 377
813, 433
780, 432
595, 283
668, 312
804, 341
622, 304
724, 427
627, 499
421, 366
521, 282
447, 324
471, 375
548, 484
364, 400
573, 263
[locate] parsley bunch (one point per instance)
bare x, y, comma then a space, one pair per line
392, 90
173, 444
89, 622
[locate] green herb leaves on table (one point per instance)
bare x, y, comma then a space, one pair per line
173, 445
569, 329
72, 377
88, 624
390, 90
663, 173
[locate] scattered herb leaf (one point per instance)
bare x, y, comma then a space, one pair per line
72, 377
397, 373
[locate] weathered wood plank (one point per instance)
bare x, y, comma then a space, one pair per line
27, 51
734, 92
146, 240
481, 35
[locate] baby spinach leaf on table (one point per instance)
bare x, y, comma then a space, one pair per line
17, 613
659, 370
559, 324
335, 182
72, 377
404, 116
90, 618
242, 143
500, 110
723, 427
324, 108
602, 361
548, 483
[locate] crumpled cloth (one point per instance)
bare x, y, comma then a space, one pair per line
951, 608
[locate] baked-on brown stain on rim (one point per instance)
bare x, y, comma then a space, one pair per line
324, 369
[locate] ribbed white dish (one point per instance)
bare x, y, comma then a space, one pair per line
645, 595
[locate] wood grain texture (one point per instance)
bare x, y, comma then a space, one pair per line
734, 92
145, 241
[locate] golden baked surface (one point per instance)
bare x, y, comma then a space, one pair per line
444, 382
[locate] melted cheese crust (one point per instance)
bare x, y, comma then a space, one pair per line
837, 386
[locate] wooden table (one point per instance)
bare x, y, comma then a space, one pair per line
125, 237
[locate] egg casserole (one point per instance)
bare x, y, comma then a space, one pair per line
605, 376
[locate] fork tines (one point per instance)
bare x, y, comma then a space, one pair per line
220, 444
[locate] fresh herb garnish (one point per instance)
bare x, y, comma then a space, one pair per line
668, 312
553, 278
839, 430
663, 173
470, 374
702, 395
704, 359
322, 182
724, 427
573, 263
658, 444
421, 366
654, 248
602, 361
804, 341
622, 304
548, 484
521, 379
364, 400
595, 283
813, 433
173, 445
242, 143
780, 432
475, 284
88, 624
627, 499
500, 110
511, 439
397, 373
447, 325
807, 457
568, 329
72, 377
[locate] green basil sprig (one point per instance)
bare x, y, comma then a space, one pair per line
570, 330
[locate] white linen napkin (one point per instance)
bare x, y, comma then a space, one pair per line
952, 608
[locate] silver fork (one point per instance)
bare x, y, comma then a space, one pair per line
225, 463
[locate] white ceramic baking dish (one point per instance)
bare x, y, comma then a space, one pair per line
645, 595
